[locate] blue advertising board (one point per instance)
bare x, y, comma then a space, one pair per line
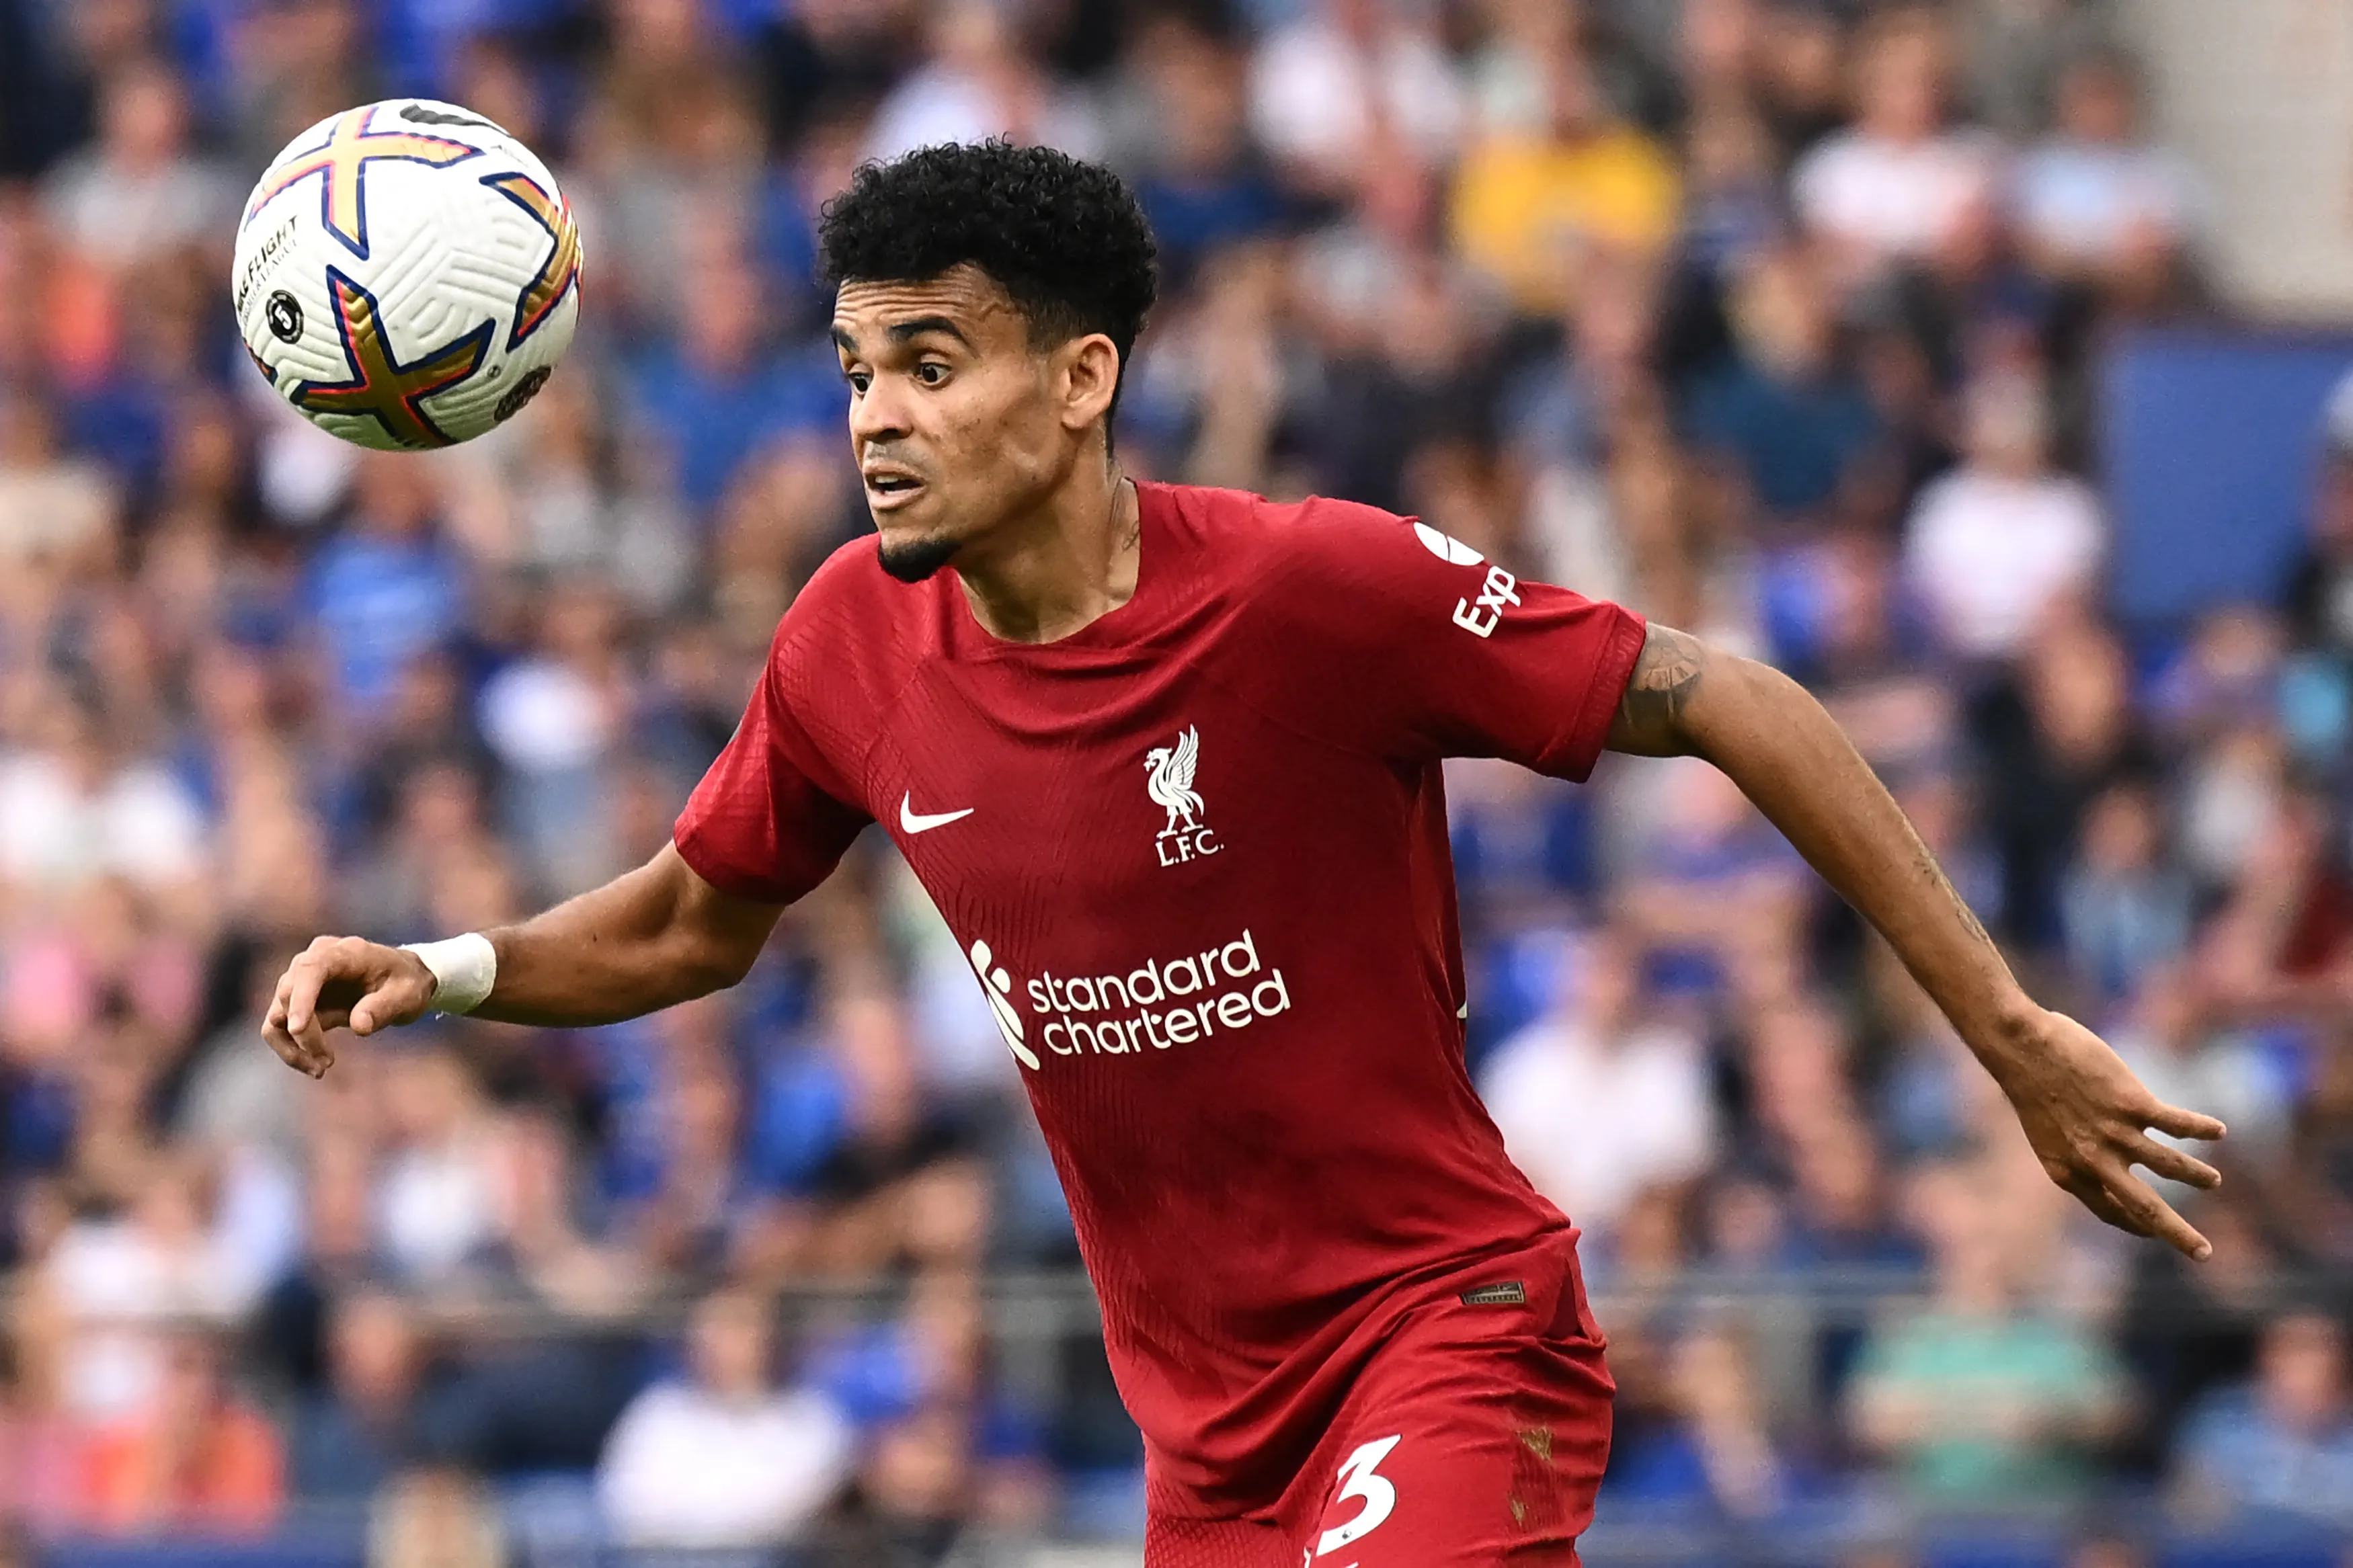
2209, 442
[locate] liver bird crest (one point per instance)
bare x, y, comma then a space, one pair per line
1171, 784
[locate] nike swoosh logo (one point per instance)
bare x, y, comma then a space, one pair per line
915, 821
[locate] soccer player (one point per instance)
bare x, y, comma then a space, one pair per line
1168, 759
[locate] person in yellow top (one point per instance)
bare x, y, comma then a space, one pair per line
1524, 208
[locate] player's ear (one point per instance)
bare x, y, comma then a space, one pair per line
1090, 374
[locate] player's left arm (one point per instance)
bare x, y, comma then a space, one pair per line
2086, 1115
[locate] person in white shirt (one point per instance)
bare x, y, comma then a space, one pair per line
726, 1458
78, 802
1635, 1090
2093, 199
1995, 543
118, 1281
976, 84
138, 189
1900, 183
1322, 87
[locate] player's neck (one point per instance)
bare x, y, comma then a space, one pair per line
1045, 576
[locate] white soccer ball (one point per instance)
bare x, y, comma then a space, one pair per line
407, 275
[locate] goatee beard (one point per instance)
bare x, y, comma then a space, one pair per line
917, 558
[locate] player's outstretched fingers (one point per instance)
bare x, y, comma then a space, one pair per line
2182, 1123
2151, 1215
2174, 1164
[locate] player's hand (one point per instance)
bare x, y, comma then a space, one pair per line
343, 982
2089, 1119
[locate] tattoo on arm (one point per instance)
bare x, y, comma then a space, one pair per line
1936, 875
1666, 676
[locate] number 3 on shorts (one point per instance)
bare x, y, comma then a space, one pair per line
1360, 1476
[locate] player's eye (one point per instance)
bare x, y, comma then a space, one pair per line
858, 380
931, 372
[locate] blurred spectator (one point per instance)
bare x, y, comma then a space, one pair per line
53, 508
40, 1443
2286, 1441
730, 1457
434, 822
721, 392
1321, 86
1531, 209
1993, 544
295, 65
2282, 941
1717, 1458
80, 802
1416, 382
435, 1203
1843, 1215
1732, 206
670, 145
385, 590
1901, 183
2094, 201
2051, 733
138, 192
1801, 74
434, 1519
2315, 1190
124, 1270
1709, 888
1204, 185
199, 1461
1571, 413
668, 1169
553, 719
942, 1437
348, 1441
2227, 678
2019, 51
2124, 906
1635, 1088
976, 84
1979, 1403
865, 1174
1790, 427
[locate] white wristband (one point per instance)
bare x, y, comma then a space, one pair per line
464, 969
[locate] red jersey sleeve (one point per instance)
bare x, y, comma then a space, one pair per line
1414, 646
770, 820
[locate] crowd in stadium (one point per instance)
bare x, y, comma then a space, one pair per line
1775, 320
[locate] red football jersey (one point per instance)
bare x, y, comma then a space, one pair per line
1196, 854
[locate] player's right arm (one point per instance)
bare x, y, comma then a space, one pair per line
2086, 1115
769, 820
648, 940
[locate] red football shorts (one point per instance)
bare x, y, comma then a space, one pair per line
1474, 1436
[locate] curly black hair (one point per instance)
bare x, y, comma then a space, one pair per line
1065, 239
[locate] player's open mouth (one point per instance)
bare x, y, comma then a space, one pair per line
886, 491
